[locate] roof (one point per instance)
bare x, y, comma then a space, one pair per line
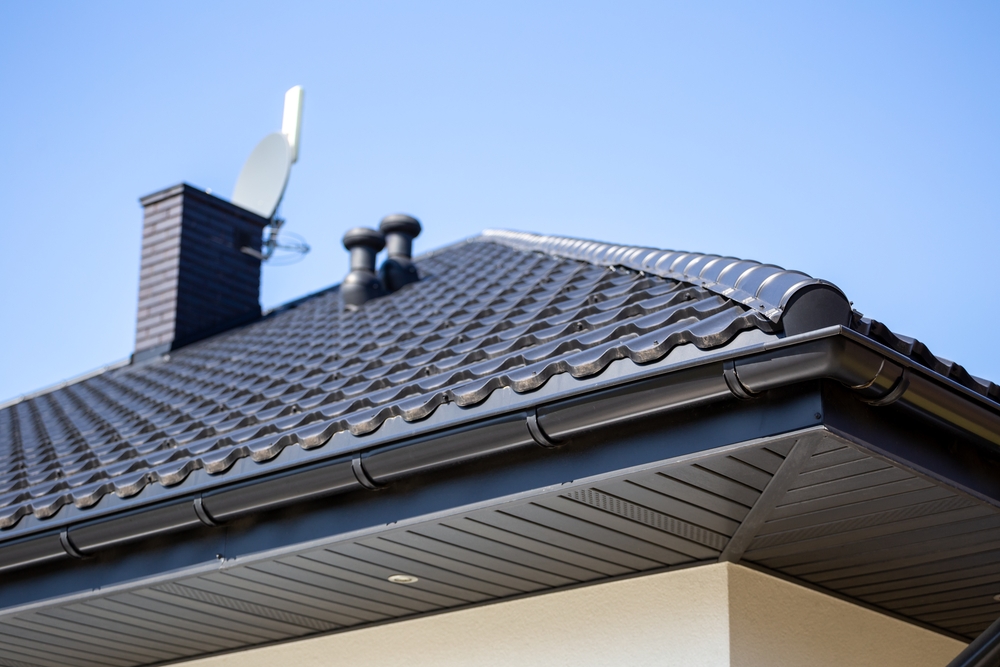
502, 310
536, 413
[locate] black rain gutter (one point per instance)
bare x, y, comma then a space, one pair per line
877, 375
984, 651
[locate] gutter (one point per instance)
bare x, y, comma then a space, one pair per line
983, 652
876, 374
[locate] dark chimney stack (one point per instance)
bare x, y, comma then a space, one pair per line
399, 270
361, 284
194, 278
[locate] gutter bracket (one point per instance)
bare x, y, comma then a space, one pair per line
202, 513
894, 394
537, 434
739, 390
362, 475
68, 546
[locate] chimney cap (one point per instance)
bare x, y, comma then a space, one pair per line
400, 223
364, 237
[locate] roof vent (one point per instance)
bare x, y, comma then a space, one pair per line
361, 284
399, 270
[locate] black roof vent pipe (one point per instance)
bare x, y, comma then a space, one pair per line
399, 270
361, 284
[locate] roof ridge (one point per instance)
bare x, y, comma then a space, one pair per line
765, 288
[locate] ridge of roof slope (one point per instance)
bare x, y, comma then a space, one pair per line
765, 288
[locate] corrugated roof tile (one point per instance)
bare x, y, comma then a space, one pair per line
528, 308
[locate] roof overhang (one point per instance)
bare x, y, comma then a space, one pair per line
824, 457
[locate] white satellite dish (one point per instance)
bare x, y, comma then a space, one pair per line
264, 176
262, 181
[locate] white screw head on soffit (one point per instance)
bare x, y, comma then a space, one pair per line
262, 180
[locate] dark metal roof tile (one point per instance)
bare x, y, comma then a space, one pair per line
531, 307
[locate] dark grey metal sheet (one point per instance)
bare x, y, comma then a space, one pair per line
600, 557
764, 287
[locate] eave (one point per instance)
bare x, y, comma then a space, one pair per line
775, 407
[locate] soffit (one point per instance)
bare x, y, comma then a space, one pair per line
820, 508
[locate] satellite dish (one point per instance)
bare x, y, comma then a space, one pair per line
264, 176
262, 181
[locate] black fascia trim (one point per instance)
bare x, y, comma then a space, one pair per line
874, 375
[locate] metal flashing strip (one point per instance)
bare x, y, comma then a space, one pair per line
86, 375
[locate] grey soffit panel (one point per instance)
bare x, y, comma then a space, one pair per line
484, 317
862, 527
648, 520
849, 523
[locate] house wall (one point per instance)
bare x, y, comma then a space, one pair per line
709, 616
774, 623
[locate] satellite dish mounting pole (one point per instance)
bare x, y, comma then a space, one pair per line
264, 177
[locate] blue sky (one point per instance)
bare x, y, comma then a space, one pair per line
858, 142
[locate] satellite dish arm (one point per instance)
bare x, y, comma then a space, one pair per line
291, 120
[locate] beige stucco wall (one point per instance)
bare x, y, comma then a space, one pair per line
773, 623
710, 616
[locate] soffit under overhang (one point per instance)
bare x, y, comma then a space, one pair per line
838, 505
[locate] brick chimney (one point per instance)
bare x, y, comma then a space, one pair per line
194, 281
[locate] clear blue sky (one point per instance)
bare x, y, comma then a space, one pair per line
859, 142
